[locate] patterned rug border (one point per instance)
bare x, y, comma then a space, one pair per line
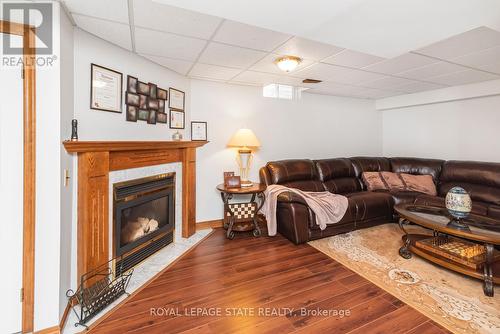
433, 317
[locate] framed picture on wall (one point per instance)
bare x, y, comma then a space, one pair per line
152, 90
143, 101
161, 106
198, 130
176, 119
152, 117
143, 115
176, 100
133, 99
161, 117
105, 89
142, 88
162, 94
131, 84
132, 112
153, 104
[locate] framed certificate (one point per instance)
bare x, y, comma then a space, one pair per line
105, 89
176, 119
176, 100
198, 130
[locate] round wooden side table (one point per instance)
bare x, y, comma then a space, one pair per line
242, 216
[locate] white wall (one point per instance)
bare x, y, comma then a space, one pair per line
317, 126
67, 104
456, 125
102, 125
48, 220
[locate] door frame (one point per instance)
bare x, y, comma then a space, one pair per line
29, 168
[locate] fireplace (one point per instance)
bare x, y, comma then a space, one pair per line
144, 218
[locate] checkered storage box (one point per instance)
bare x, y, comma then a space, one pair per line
243, 212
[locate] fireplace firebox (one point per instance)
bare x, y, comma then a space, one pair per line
144, 218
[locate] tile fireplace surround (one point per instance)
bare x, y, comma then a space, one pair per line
103, 163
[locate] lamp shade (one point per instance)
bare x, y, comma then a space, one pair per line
244, 138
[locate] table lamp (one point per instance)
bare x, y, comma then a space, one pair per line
244, 139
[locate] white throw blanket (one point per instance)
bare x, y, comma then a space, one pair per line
329, 208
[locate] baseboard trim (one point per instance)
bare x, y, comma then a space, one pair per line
62, 323
209, 224
50, 330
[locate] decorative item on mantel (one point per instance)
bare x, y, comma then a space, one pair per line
74, 130
459, 205
244, 139
177, 136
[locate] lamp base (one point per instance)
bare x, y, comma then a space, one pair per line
246, 184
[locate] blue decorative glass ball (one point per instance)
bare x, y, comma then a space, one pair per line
458, 202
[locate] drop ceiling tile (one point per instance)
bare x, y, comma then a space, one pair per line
179, 66
480, 60
371, 93
230, 56
113, 10
351, 58
267, 65
324, 91
163, 44
155, 15
247, 36
401, 63
468, 42
253, 77
418, 86
463, 78
308, 49
495, 67
207, 79
337, 74
116, 33
432, 70
388, 83
213, 72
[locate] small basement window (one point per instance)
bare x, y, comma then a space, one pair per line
285, 92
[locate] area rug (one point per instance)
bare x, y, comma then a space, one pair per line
454, 301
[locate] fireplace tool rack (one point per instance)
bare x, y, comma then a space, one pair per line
98, 288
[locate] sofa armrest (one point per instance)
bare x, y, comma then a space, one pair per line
294, 220
291, 197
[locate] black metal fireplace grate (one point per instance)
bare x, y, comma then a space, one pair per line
129, 261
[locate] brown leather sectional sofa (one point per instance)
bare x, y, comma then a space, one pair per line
366, 208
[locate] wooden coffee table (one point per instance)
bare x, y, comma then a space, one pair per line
482, 230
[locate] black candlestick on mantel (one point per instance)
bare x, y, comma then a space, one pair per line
74, 130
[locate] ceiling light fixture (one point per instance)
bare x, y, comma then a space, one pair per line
287, 63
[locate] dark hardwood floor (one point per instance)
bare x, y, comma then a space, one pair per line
261, 275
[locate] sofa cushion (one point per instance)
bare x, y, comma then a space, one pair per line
417, 166
419, 183
480, 179
300, 174
369, 204
478, 208
337, 175
399, 182
382, 181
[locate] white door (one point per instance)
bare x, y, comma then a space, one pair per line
11, 193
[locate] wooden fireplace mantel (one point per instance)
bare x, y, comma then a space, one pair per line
95, 160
